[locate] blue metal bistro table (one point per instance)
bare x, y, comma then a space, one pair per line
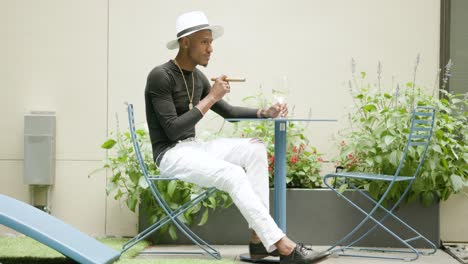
281, 125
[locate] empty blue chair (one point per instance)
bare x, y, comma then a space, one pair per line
422, 124
171, 215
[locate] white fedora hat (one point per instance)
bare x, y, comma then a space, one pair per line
192, 22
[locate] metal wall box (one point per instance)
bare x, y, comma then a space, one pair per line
39, 148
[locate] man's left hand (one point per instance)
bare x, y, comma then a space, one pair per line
277, 110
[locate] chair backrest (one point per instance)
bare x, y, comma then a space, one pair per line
133, 135
136, 147
422, 125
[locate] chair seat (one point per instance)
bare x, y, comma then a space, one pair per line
370, 176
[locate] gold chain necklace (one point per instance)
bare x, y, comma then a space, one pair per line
186, 86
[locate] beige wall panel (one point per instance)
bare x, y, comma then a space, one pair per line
11, 184
56, 53
80, 200
309, 42
453, 218
120, 221
11, 180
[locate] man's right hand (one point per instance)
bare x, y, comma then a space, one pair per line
220, 88
217, 92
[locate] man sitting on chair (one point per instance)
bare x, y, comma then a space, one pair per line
177, 96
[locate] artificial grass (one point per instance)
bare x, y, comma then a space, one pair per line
176, 261
21, 249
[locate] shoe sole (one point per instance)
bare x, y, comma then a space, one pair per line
249, 258
322, 256
258, 256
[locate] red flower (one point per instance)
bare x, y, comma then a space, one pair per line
294, 149
293, 159
270, 168
319, 159
271, 159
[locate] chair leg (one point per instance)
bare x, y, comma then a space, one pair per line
368, 217
198, 240
172, 216
145, 233
390, 213
205, 246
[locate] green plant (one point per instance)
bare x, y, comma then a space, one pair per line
126, 183
376, 136
303, 163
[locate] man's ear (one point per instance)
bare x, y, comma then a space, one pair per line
184, 42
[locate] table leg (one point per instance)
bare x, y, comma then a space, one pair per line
280, 174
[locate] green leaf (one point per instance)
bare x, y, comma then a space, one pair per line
212, 203
196, 208
142, 182
378, 159
369, 108
394, 158
370, 161
108, 144
118, 195
111, 187
183, 219
427, 198
140, 132
132, 202
457, 182
172, 232
388, 140
343, 187
204, 218
374, 189
437, 148
171, 188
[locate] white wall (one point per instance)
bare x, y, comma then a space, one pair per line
83, 59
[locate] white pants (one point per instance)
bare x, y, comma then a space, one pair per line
237, 166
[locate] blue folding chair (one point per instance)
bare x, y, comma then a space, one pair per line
171, 215
422, 124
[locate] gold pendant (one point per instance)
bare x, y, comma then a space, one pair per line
190, 106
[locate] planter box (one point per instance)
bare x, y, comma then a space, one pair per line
317, 217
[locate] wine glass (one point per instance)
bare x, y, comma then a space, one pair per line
279, 95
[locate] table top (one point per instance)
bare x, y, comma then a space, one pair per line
279, 119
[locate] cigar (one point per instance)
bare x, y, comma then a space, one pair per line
231, 79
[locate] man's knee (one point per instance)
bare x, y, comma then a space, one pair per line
257, 147
233, 176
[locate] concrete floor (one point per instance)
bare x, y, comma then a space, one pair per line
233, 252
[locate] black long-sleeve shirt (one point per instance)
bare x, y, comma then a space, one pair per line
167, 106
